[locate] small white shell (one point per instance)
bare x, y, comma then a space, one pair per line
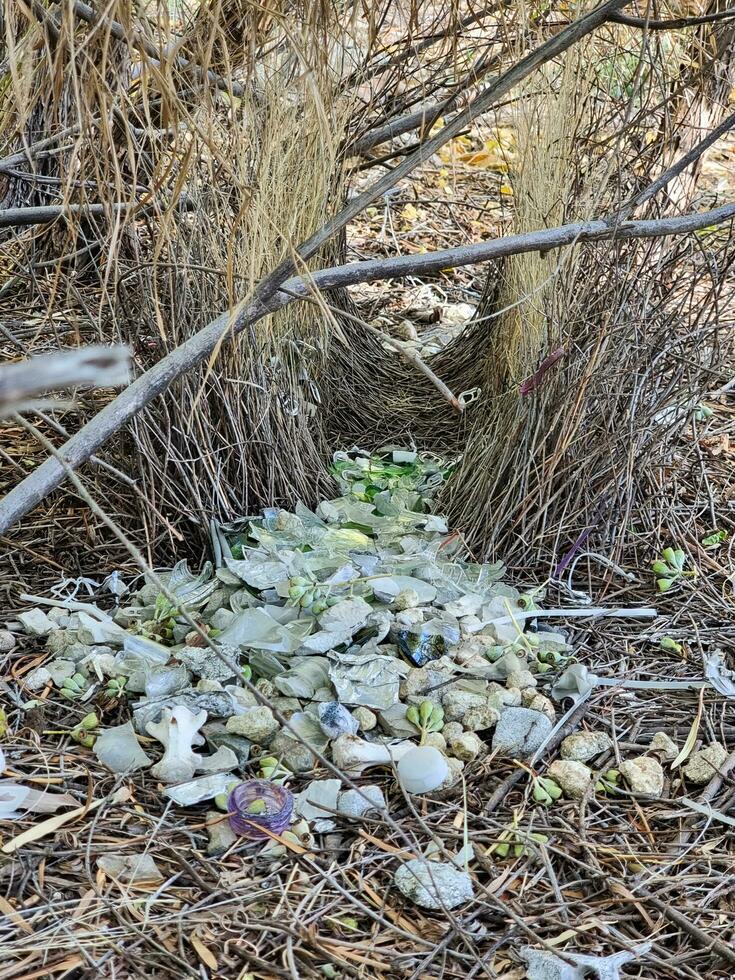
422, 769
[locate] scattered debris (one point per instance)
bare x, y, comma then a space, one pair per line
118, 749
259, 808
422, 769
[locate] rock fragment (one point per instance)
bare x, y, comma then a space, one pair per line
584, 746
644, 775
705, 763
520, 732
573, 777
433, 884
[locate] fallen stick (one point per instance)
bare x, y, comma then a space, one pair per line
196, 349
19, 217
96, 366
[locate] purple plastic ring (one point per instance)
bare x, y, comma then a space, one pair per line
276, 817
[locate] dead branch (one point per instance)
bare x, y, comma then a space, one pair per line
675, 24
85, 367
20, 217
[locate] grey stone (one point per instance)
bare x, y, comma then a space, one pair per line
60, 670
242, 697
538, 702
204, 663
573, 777
436, 740
520, 732
406, 599
407, 618
467, 747
206, 686
59, 616
217, 736
352, 804
419, 680
452, 729
366, 719
119, 749
39, 678
457, 703
266, 687
585, 746
433, 884
221, 618
221, 835
466, 605
480, 718
7, 641
663, 745
292, 754
316, 802
643, 775
35, 622
393, 721
521, 679
286, 706
705, 763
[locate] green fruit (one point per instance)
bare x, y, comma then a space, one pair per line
425, 710
664, 584
412, 715
660, 568
319, 607
502, 849
669, 644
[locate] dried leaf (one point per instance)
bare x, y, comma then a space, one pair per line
54, 823
207, 957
